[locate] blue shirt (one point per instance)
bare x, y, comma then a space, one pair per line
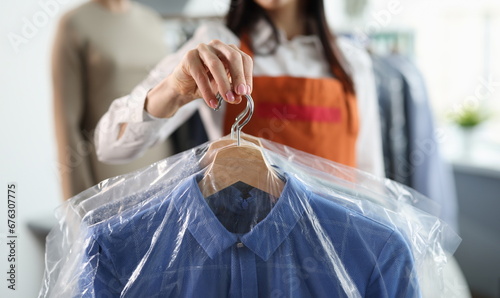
307, 246
240, 207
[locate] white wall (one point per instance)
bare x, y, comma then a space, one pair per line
451, 47
27, 144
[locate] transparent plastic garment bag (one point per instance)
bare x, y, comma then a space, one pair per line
256, 219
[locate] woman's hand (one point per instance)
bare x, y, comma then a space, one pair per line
203, 72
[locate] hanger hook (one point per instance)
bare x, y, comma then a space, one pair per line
238, 120
237, 126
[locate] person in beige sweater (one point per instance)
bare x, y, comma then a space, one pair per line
102, 49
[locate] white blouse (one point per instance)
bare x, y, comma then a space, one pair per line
301, 56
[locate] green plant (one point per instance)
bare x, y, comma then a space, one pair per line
469, 117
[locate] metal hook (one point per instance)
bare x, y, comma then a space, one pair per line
237, 126
219, 101
238, 120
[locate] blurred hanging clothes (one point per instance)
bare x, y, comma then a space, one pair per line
392, 119
410, 143
190, 134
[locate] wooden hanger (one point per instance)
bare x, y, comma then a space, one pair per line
214, 147
235, 162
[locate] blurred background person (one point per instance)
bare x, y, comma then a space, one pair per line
103, 48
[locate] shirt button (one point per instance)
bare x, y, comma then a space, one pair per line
244, 205
239, 245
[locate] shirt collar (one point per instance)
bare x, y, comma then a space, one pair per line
263, 40
262, 240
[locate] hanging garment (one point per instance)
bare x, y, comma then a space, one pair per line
427, 171
392, 120
289, 254
153, 233
190, 134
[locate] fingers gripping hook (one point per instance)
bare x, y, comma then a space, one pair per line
237, 125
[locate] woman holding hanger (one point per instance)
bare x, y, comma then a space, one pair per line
312, 91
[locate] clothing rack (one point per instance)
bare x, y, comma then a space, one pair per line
385, 42
402, 42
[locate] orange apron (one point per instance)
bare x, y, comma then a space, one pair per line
315, 115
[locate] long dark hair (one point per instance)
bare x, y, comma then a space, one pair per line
243, 14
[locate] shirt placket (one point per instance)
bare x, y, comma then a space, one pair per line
243, 272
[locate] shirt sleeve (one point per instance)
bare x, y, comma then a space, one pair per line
69, 106
369, 144
143, 132
394, 274
97, 275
